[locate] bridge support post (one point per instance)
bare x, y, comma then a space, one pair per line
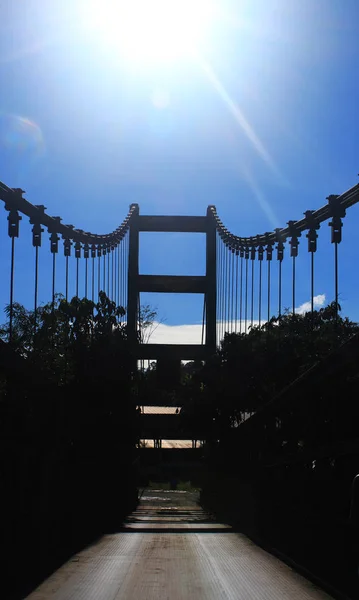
132, 302
211, 292
206, 285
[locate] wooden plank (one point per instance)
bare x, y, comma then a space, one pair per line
168, 427
170, 548
179, 224
172, 284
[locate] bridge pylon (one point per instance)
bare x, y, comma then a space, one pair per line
205, 284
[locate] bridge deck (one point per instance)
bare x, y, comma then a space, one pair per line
169, 548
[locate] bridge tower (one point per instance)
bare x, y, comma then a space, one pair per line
205, 285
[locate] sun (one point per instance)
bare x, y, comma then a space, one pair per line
150, 31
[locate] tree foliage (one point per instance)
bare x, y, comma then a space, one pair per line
64, 339
248, 370
147, 322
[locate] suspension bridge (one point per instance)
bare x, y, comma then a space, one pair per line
238, 289
244, 285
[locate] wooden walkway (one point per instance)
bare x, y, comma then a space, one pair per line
169, 549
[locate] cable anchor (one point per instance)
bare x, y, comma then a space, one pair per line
313, 226
337, 212
294, 235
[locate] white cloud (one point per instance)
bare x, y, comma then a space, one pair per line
176, 334
306, 306
192, 334
187, 334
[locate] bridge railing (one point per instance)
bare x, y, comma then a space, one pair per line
86, 264
251, 293
250, 289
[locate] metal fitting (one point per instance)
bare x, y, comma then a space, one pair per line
294, 235
78, 250
313, 226
14, 220
67, 247
337, 212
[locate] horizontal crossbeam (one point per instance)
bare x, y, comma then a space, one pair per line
172, 224
168, 427
172, 351
172, 283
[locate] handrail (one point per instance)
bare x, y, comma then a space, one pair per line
13, 199
336, 206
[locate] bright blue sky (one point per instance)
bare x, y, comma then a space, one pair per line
267, 130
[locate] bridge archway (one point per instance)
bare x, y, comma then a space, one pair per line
205, 284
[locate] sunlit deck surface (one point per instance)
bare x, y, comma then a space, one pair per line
169, 444
159, 410
169, 548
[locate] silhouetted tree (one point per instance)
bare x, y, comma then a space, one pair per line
248, 370
66, 335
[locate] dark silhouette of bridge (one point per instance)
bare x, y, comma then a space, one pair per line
238, 287
243, 286
238, 291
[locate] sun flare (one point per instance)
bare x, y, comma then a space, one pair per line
150, 30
